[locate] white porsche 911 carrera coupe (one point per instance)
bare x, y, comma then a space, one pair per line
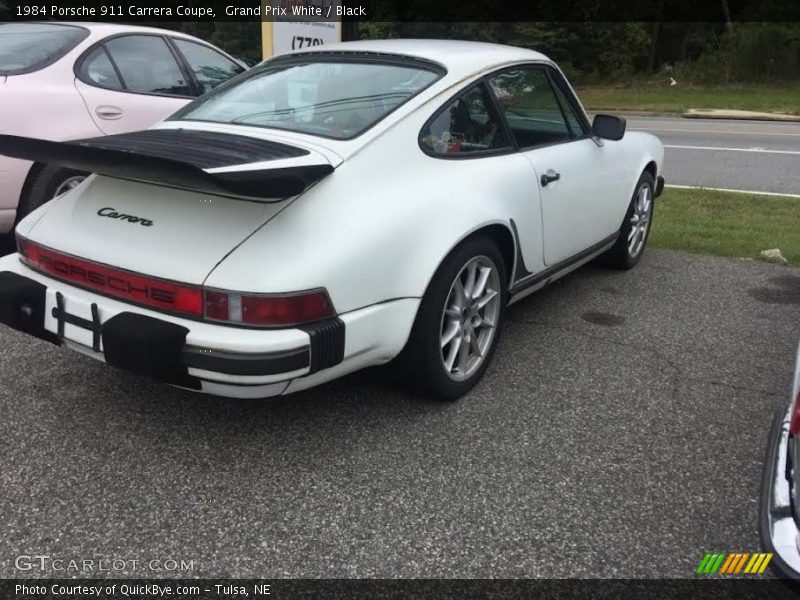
330, 210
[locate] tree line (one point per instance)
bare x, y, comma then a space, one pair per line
591, 52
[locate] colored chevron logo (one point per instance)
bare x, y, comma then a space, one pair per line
734, 563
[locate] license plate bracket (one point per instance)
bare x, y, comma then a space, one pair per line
63, 317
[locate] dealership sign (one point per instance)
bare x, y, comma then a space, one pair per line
299, 24
294, 35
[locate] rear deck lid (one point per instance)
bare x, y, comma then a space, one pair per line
164, 232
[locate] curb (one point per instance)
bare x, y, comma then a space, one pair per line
633, 113
701, 113
731, 191
741, 115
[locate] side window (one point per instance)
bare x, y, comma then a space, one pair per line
147, 65
531, 108
468, 124
97, 68
576, 124
209, 66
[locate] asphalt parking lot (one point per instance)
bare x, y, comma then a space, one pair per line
619, 433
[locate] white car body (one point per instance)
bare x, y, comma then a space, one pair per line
372, 233
55, 103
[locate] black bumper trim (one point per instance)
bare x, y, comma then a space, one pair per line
235, 363
147, 346
23, 304
327, 343
659, 186
522, 271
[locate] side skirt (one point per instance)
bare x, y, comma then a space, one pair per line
530, 284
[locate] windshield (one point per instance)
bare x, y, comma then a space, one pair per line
328, 98
26, 47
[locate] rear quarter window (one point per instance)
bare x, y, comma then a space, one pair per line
28, 47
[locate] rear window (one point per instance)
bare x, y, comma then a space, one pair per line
336, 98
27, 47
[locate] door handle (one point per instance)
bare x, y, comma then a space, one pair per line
108, 112
549, 177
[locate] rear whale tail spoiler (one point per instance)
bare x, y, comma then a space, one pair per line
203, 161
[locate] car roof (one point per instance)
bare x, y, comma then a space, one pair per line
104, 29
457, 56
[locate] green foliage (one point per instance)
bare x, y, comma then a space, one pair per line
749, 52
755, 52
602, 48
588, 52
378, 30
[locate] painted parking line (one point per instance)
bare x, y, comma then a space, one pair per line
713, 189
717, 148
730, 131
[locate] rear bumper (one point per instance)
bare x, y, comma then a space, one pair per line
210, 358
149, 345
779, 532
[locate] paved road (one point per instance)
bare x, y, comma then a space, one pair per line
619, 433
746, 155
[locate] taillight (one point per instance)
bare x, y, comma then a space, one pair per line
268, 310
271, 310
794, 423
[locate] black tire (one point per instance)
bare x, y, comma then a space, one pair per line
421, 360
619, 255
43, 188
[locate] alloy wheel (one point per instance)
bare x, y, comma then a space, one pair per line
640, 220
470, 318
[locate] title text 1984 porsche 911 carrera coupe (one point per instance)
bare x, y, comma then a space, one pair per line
329, 210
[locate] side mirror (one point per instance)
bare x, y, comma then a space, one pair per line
608, 127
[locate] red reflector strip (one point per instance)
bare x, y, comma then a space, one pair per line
139, 289
258, 310
794, 423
